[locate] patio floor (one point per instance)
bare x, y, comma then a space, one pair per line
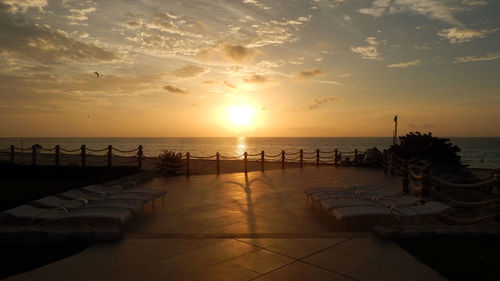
243, 227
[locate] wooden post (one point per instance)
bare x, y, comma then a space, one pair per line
336, 160
426, 180
187, 164
356, 157
391, 164
405, 177
317, 157
245, 161
301, 158
12, 154
386, 162
33, 151
83, 155
110, 155
283, 159
217, 157
140, 154
58, 155
262, 160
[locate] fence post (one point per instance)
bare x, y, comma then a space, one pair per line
426, 180
217, 156
336, 160
187, 164
83, 155
391, 164
12, 154
262, 160
405, 177
283, 159
110, 154
356, 157
140, 154
33, 151
301, 158
58, 154
317, 157
245, 161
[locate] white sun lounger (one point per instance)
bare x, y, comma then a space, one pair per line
54, 202
118, 189
333, 189
29, 215
329, 204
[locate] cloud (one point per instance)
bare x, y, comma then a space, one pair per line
237, 53
175, 90
308, 73
188, 71
487, 57
318, 102
369, 52
22, 6
229, 85
435, 9
132, 24
461, 35
258, 79
405, 64
474, 3
40, 43
79, 16
257, 3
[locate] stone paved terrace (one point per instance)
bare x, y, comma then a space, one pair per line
243, 227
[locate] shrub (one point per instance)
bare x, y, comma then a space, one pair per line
439, 151
170, 163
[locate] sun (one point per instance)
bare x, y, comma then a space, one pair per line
240, 115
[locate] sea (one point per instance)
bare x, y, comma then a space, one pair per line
475, 151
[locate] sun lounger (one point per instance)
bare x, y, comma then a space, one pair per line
31, 215
119, 189
333, 189
54, 202
358, 211
329, 204
77, 194
426, 209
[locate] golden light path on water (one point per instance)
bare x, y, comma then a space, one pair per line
241, 146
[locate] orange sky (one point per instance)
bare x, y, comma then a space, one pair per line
299, 68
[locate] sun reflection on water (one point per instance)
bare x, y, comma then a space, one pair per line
241, 147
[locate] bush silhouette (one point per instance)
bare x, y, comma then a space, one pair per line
439, 151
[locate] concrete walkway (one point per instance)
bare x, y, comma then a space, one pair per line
243, 227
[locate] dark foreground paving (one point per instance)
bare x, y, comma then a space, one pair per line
243, 227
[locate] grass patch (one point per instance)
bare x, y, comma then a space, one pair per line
23, 183
459, 258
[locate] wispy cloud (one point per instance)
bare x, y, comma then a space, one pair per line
487, 57
434, 9
461, 35
229, 85
308, 73
238, 53
188, 71
318, 102
257, 3
369, 52
258, 79
175, 90
405, 64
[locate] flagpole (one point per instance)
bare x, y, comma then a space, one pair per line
395, 136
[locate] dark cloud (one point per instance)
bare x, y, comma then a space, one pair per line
188, 71
237, 53
175, 90
41, 44
308, 73
132, 24
256, 79
318, 102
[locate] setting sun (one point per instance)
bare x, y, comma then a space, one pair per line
240, 115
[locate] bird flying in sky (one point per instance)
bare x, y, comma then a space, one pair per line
97, 73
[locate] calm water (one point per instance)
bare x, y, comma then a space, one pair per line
477, 152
